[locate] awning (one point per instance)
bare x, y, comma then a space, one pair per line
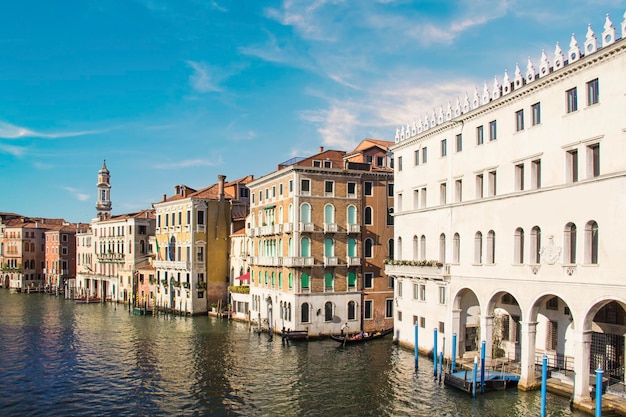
244, 277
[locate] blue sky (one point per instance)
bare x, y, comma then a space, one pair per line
178, 91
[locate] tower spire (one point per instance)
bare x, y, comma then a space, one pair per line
103, 204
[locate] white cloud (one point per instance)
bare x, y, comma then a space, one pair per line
16, 151
10, 131
77, 194
201, 79
217, 7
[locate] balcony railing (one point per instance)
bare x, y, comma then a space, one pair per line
298, 261
418, 269
267, 260
250, 232
354, 261
288, 227
306, 227
330, 227
331, 261
172, 265
353, 228
110, 257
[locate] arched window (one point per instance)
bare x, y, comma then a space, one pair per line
289, 312
329, 247
351, 215
328, 311
282, 311
351, 280
442, 248
329, 214
535, 245
290, 247
351, 310
423, 247
390, 247
368, 248
304, 281
32, 247
328, 281
518, 246
290, 213
305, 213
456, 248
304, 313
415, 248
280, 279
280, 215
351, 247
569, 244
367, 216
171, 249
478, 248
591, 242
305, 247
399, 248
491, 247
273, 279
290, 280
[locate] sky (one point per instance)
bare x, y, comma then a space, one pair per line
180, 91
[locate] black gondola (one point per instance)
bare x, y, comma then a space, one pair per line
360, 338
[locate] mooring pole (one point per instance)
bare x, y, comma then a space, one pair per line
435, 352
599, 373
482, 366
544, 379
453, 366
416, 349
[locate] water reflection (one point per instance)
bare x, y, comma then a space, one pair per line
58, 358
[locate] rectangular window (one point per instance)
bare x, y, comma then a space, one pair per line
389, 308
368, 187
368, 279
267, 193
536, 110
416, 199
459, 142
328, 164
380, 161
492, 183
480, 135
317, 164
423, 322
252, 198
458, 191
280, 189
305, 187
291, 186
200, 218
399, 163
390, 190
329, 188
572, 165
399, 316
444, 147
351, 186
442, 193
399, 200
423, 197
64, 251
493, 130
535, 174
593, 160
416, 291
572, 100
442, 327
422, 292
416, 155
442, 295
368, 310
519, 177
424, 155
273, 191
479, 186
552, 335
593, 92
200, 253
519, 120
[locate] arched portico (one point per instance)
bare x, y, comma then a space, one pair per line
466, 321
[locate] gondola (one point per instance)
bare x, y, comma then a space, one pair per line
358, 338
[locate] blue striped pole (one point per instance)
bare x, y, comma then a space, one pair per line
544, 379
453, 367
599, 373
482, 366
474, 376
440, 366
416, 346
435, 352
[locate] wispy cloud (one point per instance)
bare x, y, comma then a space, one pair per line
188, 163
273, 51
16, 151
77, 194
42, 166
201, 79
217, 7
11, 131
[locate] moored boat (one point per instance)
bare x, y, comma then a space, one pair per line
361, 337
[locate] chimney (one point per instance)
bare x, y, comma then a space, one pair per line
220, 186
177, 189
321, 149
164, 197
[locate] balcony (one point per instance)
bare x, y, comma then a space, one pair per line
172, 265
306, 227
353, 228
331, 261
294, 261
330, 227
417, 269
278, 229
110, 257
250, 232
267, 260
288, 227
354, 261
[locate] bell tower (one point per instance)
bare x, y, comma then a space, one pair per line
103, 205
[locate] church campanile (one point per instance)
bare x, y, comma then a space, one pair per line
103, 205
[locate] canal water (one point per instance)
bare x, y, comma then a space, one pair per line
58, 358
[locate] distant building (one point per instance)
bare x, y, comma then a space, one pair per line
319, 230
509, 219
60, 255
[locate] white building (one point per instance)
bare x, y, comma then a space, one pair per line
517, 192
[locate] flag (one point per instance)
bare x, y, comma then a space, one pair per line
157, 250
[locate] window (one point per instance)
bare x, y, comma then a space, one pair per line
442, 193
458, 191
328, 311
569, 244
459, 142
552, 335
535, 174
273, 191
593, 160
442, 327
535, 245
367, 188
478, 248
399, 201
390, 190
304, 313
329, 187
389, 308
571, 166
368, 248
442, 295
423, 197
305, 187
291, 186
416, 291
280, 189
351, 310
380, 161
479, 186
552, 304
456, 248
416, 157
480, 135
593, 92
367, 216
390, 247
492, 183
444, 147
399, 163
423, 247
200, 254
200, 218
390, 214
352, 280
399, 316
317, 164
519, 177
518, 246
572, 100
442, 248
493, 130
422, 292
591, 243
305, 281
368, 310
536, 111
423, 322
424, 155
368, 279
519, 120
491, 247
351, 186
328, 164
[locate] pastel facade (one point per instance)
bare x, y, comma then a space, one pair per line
517, 194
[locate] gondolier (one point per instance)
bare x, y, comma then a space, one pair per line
344, 329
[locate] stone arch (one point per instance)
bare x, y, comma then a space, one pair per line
503, 333
466, 313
